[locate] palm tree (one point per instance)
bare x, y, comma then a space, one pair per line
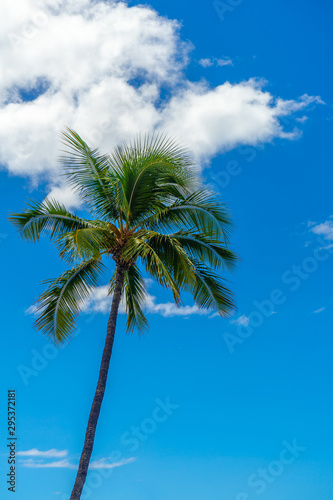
148, 212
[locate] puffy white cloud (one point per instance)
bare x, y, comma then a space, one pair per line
64, 194
215, 120
102, 68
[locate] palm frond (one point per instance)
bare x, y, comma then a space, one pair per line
135, 297
209, 290
152, 169
86, 243
64, 298
200, 210
46, 216
88, 172
206, 249
161, 270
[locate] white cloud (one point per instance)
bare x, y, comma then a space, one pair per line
215, 120
319, 310
170, 309
208, 62
59, 464
66, 464
324, 229
100, 67
302, 119
100, 302
241, 320
225, 61
47, 454
103, 464
66, 195
32, 310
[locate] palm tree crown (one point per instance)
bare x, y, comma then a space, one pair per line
147, 208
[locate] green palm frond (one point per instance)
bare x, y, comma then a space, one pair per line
209, 290
200, 210
86, 243
135, 297
170, 251
64, 298
156, 266
150, 169
89, 173
206, 249
46, 216
148, 208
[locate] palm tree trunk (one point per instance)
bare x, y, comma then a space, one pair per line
99, 394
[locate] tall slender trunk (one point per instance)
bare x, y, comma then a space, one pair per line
99, 394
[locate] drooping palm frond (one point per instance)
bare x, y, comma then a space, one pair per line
64, 298
47, 216
159, 268
169, 250
206, 249
200, 210
135, 297
209, 290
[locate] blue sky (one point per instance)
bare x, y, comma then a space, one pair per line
200, 407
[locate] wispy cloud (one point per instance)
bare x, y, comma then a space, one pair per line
32, 310
319, 310
38, 464
302, 119
168, 309
47, 454
102, 463
241, 320
324, 229
208, 62
100, 302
